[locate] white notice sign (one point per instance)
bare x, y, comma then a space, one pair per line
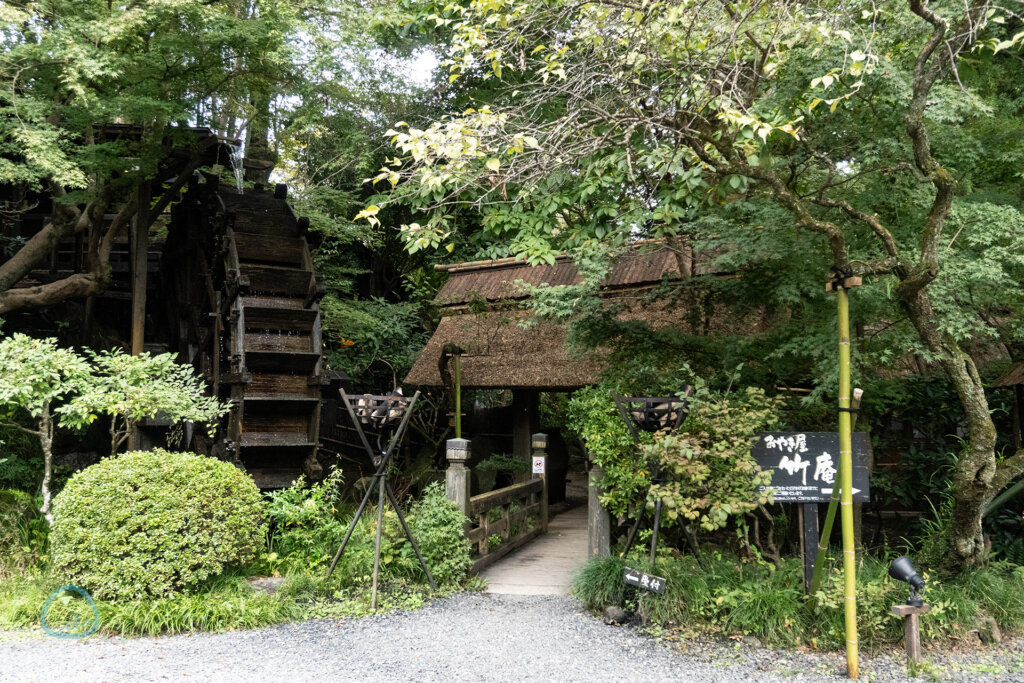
538, 465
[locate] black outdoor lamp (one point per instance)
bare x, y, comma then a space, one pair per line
901, 569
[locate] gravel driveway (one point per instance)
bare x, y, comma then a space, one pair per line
467, 637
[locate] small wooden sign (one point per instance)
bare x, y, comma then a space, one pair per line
644, 581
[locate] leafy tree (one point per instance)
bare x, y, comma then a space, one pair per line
36, 376
73, 72
871, 139
129, 388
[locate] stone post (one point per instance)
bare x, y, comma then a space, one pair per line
539, 446
457, 477
599, 525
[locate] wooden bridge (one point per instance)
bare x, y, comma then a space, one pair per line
517, 548
547, 565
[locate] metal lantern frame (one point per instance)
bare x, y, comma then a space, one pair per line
653, 414
388, 414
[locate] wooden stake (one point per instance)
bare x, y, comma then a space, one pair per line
912, 628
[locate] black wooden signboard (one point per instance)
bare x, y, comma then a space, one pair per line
804, 469
805, 464
644, 581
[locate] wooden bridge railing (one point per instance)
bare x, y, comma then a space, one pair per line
503, 520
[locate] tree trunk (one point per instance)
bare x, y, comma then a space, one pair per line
974, 477
46, 441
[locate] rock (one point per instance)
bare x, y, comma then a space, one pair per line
988, 631
971, 639
752, 641
267, 584
615, 615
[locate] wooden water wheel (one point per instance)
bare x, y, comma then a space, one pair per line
244, 298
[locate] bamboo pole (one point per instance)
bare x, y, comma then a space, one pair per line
830, 516
458, 396
846, 479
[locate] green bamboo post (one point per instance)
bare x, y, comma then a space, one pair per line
830, 516
846, 479
458, 396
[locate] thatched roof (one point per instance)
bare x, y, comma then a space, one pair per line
1013, 376
501, 354
497, 280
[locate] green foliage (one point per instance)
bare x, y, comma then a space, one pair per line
381, 332
21, 460
309, 523
24, 533
36, 374
503, 461
129, 388
305, 524
721, 594
439, 529
226, 603
710, 472
154, 524
599, 583
594, 417
222, 604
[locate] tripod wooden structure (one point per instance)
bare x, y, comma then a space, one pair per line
381, 412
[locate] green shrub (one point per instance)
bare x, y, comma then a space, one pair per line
309, 523
439, 529
152, 524
305, 525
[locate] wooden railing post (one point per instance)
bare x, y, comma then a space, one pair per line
539, 444
457, 477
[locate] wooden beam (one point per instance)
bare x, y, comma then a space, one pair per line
140, 253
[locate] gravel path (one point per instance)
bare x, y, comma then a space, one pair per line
467, 637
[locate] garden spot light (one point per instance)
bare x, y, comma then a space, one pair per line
901, 569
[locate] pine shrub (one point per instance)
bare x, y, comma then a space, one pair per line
154, 524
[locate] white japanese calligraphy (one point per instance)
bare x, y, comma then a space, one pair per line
825, 470
791, 444
794, 465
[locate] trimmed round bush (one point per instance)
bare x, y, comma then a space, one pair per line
154, 523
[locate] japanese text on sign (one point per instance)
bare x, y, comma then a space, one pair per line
804, 465
644, 581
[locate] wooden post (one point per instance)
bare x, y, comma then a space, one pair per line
140, 263
457, 477
808, 513
140, 256
599, 525
525, 421
912, 628
539, 444
457, 361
